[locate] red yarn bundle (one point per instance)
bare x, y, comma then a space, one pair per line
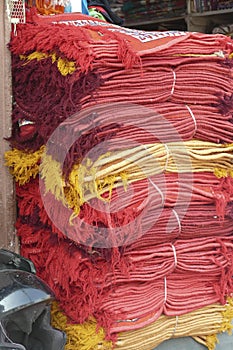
170, 278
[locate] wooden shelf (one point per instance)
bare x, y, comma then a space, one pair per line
154, 21
191, 21
211, 13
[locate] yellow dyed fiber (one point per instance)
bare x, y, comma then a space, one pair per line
93, 179
113, 169
189, 156
78, 189
54, 182
219, 172
22, 165
203, 325
209, 341
64, 66
86, 336
215, 54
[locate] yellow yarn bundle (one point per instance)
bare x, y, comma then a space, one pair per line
203, 325
113, 169
22, 165
86, 336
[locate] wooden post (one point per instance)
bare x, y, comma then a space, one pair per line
7, 200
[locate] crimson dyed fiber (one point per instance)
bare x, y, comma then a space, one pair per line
113, 293
210, 198
60, 99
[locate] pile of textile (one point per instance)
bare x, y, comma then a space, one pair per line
122, 155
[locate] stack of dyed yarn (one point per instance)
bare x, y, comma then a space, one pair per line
122, 156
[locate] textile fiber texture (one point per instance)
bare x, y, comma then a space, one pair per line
122, 153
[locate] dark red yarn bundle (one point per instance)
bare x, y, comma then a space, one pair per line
211, 198
181, 255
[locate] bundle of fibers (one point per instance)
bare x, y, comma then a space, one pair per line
117, 44
111, 293
201, 220
169, 190
204, 123
161, 297
86, 336
92, 179
76, 89
206, 322
30, 131
84, 74
159, 260
183, 122
145, 209
168, 84
163, 83
114, 168
144, 201
122, 45
34, 118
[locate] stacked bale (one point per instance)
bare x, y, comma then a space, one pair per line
122, 155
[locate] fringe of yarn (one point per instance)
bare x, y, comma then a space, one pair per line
86, 336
